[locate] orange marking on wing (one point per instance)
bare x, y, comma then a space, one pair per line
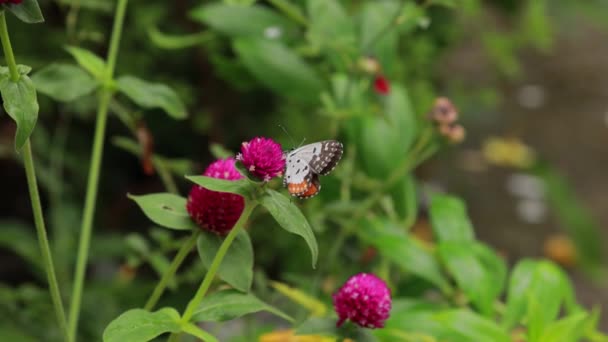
297, 188
312, 190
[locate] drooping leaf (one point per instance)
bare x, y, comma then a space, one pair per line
241, 187
27, 11
449, 219
64, 82
21, 104
290, 218
88, 61
278, 68
237, 266
152, 95
229, 304
165, 209
138, 325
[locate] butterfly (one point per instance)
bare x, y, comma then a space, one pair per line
306, 163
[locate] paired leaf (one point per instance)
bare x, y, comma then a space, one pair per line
449, 219
278, 68
290, 218
237, 266
21, 104
27, 11
64, 82
229, 304
165, 209
152, 95
241, 187
139, 325
88, 61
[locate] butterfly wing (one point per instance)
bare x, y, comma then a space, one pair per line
304, 164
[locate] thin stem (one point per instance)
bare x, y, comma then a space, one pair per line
93, 180
215, 265
177, 261
43, 241
30, 172
8, 49
165, 175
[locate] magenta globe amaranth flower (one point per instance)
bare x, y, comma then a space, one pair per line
216, 211
263, 158
365, 300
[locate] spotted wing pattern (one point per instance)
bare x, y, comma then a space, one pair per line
304, 164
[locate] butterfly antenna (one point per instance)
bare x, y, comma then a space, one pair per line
293, 142
303, 141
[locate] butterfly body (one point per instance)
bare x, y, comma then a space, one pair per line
306, 163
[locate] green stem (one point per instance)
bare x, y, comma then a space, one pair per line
165, 175
30, 172
93, 180
43, 241
177, 261
8, 48
215, 265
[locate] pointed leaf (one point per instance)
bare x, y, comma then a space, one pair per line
88, 61
237, 267
241, 187
152, 95
64, 82
27, 11
165, 209
450, 220
21, 104
229, 304
290, 218
139, 325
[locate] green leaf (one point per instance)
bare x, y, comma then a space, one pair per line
21, 104
18, 237
279, 69
152, 95
330, 25
449, 219
376, 40
226, 305
290, 218
242, 187
237, 267
243, 21
174, 42
466, 326
568, 329
140, 325
411, 315
405, 252
519, 283
406, 199
471, 276
325, 326
64, 82
196, 331
165, 209
494, 265
88, 61
27, 11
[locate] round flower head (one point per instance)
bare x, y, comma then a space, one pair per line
263, 157
216, 211
365, 300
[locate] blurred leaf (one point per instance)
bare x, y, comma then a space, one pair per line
88, 61
242, 187
196, 331
536, 24
10, 333
412, 316
173, 42
290, 218
405, 252
494, 265
27, 11
279, 69
567, 329
243, 21
521, 279
471, 276
237, 267
406, 199
138, 325
21, 104
449, 219
226, 305
219, 151
318, 326
165, 209
19, 238
64, 82
329, 24
315, 306
152, 95
377, 39
466, 326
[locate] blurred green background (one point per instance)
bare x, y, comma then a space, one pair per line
525, 71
